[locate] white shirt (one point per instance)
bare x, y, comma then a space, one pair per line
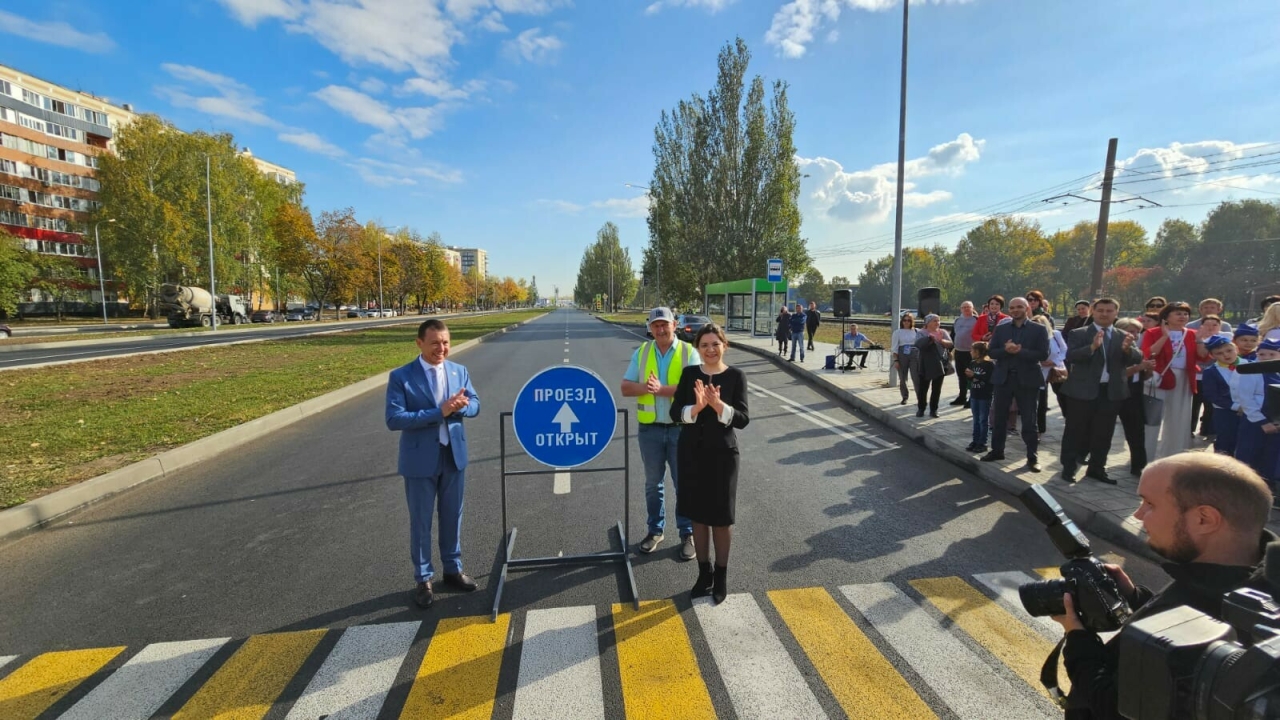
1106, 376
1178, 345
442, 389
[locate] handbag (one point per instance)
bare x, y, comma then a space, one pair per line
1152, 407
948, 367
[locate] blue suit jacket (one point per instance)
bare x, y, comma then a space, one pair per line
1035, 348
412, 409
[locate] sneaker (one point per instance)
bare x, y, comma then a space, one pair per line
650, 543
687, 551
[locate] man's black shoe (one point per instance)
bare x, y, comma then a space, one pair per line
992, 456
459, 581
1101, 476
1135, 470
958, 401
423, 597
1033, 466
968, 405
1069, 472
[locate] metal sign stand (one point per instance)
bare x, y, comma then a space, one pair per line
510, 562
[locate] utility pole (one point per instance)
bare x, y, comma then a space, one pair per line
208, 210
896, 302
1104, 211
381, 307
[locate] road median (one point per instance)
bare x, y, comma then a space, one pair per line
77, 438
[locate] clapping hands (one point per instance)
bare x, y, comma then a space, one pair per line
706, 396
455, 403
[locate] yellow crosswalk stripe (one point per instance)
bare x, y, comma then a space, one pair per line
458, 677
660, 676
864, 683
249, 683
34, 687
1049, 573
1019, 647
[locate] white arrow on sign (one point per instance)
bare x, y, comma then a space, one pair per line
565, 417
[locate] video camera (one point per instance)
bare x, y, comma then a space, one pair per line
1183, 664
1094, 593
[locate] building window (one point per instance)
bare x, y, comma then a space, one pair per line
31, 98
6, 88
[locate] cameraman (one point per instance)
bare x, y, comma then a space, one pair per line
1204, 513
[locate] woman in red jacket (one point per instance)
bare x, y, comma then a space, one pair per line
1176, 353
990, 317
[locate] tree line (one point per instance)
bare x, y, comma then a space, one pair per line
1233, 254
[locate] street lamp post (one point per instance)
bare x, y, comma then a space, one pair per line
896, 301
102, 284
657, 242
381, 308
208, 210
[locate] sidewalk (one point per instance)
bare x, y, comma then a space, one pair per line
1104, 510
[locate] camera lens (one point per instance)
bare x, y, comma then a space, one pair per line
1044, 598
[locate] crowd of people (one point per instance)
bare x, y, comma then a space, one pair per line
1166, 377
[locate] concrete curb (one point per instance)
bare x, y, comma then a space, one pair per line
38, 513
1126, 534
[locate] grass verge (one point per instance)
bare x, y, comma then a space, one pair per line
65, 424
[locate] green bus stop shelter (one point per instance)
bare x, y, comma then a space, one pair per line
748, 305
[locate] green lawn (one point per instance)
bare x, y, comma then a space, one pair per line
64, 424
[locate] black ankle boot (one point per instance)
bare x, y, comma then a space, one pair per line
718, 589
702, 587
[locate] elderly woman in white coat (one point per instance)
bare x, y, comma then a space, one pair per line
1055, 363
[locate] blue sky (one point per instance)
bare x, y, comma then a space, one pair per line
513, 125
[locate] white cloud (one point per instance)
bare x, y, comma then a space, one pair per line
55, 33
533, 46
1203, 170
386, 174
796, 23
311, 142
232, 100
465, 10
441, 89
416, 122
632, 207
869, 195
713, 6
373, 86
251, 12
492, 22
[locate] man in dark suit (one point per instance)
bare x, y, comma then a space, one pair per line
1097, 384
1018, 347
426, 401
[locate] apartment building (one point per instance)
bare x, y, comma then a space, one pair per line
453, 257
50, 139
473, 258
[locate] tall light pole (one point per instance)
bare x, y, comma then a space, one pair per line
657, 243
102, 285
381, 309
208, 210
902, 162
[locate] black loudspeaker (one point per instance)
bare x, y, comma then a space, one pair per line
929, 301
842, 303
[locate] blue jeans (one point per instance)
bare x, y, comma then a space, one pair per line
658, 452
981, 407
797, 341
446, 485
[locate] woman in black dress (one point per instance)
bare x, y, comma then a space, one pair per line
710, 403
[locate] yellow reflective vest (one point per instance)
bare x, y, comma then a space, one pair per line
646, 405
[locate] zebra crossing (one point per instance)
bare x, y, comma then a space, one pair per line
920, 648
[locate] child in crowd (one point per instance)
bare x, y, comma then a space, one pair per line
1215, 384
1208, 326
979, 373
1246, 340
1258, 443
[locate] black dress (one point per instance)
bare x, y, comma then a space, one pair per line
707, 452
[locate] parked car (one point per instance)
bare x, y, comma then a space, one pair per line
5, 332
355, 313
310, 314
264, 316
688, 325
298, 314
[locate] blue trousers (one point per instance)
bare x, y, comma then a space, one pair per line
980, 408
797, 341
444, 488
658, 452
1226, 429
1259, 450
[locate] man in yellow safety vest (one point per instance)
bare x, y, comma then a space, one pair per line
651, 379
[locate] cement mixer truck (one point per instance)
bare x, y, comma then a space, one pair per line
194, 307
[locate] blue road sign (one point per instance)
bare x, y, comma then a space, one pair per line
775, 270
564, 416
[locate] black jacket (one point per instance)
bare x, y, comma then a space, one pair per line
1093, 666
1026, 363
812, 319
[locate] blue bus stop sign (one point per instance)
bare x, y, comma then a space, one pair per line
774, 270
564, 416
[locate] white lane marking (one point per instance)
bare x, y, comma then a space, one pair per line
566, 349
831, 423
560, 673
757, 671
851, 436
141, 686
354, 680
1005, 585
561, 486
964, 681
6, 659
566, 359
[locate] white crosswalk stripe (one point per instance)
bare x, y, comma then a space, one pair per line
560, 666
6, 659
355, 678
1005, 585
142, 685
761, 679
964, 681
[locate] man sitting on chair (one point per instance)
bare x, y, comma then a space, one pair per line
851, 347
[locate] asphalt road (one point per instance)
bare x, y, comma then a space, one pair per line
306, 528
17, 356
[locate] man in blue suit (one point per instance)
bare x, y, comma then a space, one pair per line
1018, 347
426, 401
